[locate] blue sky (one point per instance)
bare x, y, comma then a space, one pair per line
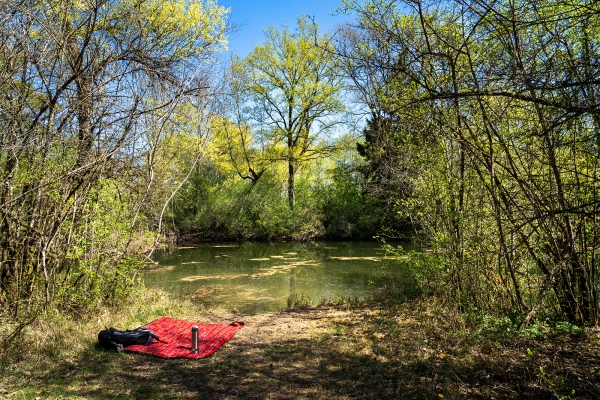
254, 16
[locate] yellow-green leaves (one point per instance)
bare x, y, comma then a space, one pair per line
201, 20
293, 92
186, 27
292, 75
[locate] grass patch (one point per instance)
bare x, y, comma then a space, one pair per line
298, 302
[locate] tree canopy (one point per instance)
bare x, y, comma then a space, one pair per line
293, 91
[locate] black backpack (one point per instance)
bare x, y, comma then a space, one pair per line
113, 339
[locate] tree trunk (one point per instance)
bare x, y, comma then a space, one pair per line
291, 172
291, 188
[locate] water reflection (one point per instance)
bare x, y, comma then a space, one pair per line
259, 277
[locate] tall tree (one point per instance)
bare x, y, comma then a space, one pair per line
293, 92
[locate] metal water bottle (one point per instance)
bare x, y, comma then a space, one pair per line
194, 339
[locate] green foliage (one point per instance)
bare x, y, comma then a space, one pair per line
566, 327
342, 205
495, 127
331, 200
88, 88
349, 211
99, 267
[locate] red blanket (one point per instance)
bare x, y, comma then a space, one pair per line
178, 335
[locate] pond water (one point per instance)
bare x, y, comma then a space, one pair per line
253, 278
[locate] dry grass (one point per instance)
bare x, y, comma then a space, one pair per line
371, 351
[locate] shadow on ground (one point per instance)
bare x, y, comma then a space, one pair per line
333, 354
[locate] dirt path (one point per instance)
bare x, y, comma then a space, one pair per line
407, 351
